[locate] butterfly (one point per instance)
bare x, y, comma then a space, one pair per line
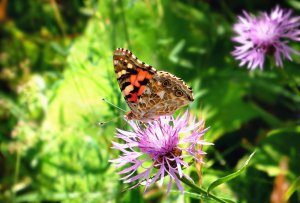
149, 93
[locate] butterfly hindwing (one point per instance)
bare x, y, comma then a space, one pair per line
166, 94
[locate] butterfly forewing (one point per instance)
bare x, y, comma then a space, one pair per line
132, 74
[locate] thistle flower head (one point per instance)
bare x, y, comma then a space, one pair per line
159, 148
265, 34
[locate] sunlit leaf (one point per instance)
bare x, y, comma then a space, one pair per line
231, 176
294, 187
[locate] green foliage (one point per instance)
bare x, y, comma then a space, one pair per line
229, 177
56, 65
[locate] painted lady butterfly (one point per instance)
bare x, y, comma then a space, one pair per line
148, 93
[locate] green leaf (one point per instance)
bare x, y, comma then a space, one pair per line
191, 194
229, 177
199, 196
294, 3
201, 191
176, 50
294, 187
274, 147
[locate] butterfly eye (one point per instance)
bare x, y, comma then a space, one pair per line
166, 83
178, 93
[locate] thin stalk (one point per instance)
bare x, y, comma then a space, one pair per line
58, 17
227, 10
124, 23
291, 81
114, 25
17, 171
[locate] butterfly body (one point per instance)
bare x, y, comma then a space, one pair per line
149, 93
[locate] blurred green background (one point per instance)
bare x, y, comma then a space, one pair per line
56, 65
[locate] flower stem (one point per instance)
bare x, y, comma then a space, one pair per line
200, 190
291, 81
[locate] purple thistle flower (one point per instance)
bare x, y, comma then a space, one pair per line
265, 34
159, 148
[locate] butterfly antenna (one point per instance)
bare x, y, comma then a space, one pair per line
115, 118
103, 99
105, 122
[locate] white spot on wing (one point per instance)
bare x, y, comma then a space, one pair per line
147, 91
127, 89
161, 94
120, 73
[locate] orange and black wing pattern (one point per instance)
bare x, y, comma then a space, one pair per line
132, 74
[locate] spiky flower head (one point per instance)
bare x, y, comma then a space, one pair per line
265, 34
159, 149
